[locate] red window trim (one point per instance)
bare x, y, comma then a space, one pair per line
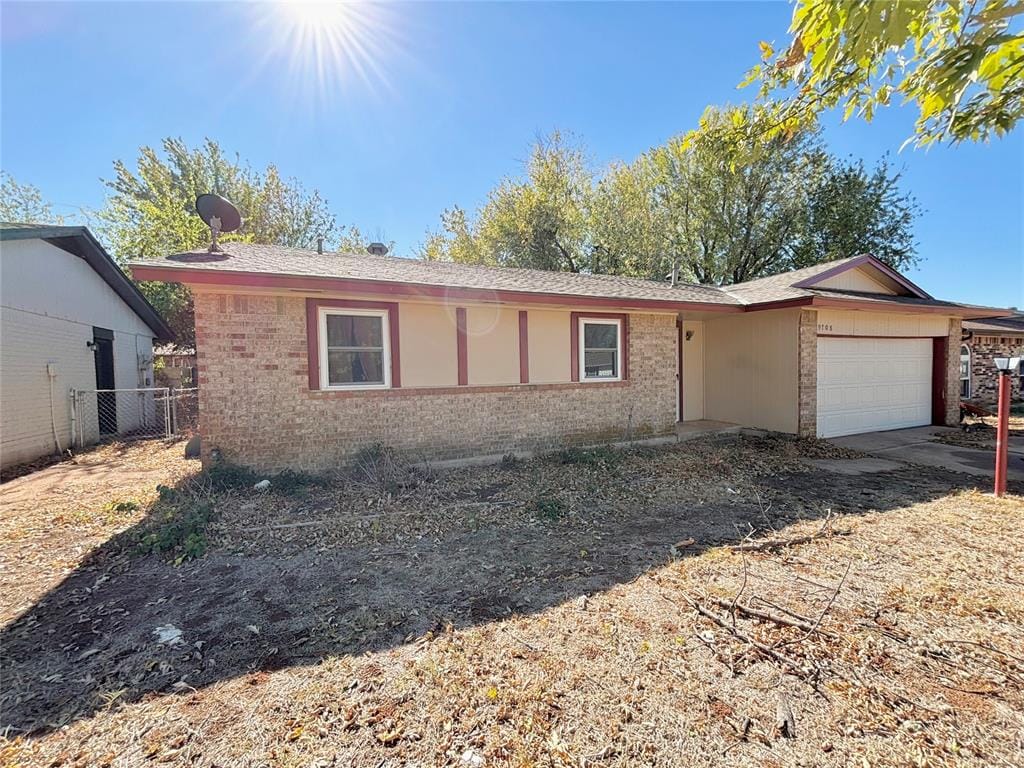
574, 341
463, 346
313, 334
524, 347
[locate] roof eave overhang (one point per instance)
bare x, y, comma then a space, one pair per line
825, 302
314, 284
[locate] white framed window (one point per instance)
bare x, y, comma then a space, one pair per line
355, 349
600, 349
965, 371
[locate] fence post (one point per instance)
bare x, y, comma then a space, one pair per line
74, 414
167, 413
174, 410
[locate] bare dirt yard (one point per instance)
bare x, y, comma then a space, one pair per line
713, 602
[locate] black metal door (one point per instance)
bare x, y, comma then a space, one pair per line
106, 402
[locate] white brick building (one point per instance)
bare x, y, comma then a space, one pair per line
69, 319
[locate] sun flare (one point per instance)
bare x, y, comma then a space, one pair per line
327, 46
323, 16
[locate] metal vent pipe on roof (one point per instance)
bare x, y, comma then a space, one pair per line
377, 249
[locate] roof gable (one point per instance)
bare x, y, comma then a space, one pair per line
861, 279
865, 269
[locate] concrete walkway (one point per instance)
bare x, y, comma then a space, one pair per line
917, 446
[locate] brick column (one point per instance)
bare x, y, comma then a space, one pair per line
807, 420
953, 373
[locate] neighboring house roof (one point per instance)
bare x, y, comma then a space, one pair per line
251, 265
997, 326
80, 242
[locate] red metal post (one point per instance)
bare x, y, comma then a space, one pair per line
1002, 433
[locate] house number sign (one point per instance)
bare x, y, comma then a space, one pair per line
824, 326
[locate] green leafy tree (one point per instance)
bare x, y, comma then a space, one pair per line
734, 217
539, 222
631, 227
851, 210
960, 63
150, 213
701, 206
24, 203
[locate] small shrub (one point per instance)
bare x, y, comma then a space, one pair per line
379, 468
125, 505
224, 476
601, 456
510, 461
166, 493
181, 530
548, 508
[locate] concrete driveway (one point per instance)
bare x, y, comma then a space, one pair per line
918, 446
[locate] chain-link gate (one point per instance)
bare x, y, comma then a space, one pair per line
133, 414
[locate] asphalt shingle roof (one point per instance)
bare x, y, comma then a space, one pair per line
998, 325
279, 260
250, 258
781, 287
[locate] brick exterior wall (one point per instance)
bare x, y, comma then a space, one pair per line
807, 420
953, 373
984, 378
256, 407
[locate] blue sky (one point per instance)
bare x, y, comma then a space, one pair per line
443, 101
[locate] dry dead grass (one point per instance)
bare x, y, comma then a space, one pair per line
52, 518
918, 661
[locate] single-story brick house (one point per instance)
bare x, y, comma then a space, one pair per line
983, 341
306, 358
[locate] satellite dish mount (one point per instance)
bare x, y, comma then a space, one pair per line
220, 215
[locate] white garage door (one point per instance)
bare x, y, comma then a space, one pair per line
866, 385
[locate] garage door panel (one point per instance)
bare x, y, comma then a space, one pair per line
873, 384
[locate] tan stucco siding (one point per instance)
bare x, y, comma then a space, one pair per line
693, 370
492, 343
751, 369
429, 345
549, 346
855, 280
855, 323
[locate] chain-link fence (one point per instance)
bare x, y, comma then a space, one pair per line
133, 414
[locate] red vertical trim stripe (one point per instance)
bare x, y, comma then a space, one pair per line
625, 347
524, 348
313, 334
463, 347
313, 343
574, 346
682, 337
